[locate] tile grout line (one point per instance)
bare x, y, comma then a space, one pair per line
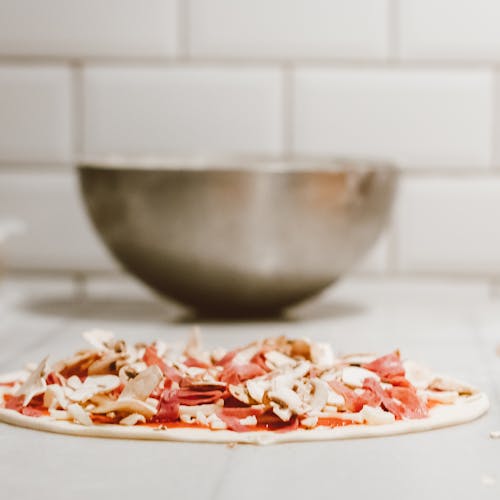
287, 111
77, 109
339, 62
494, 124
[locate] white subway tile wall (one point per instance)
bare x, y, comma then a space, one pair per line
57, 233
410, 116
93, 28
449, 224
450, 29
289, 29
153, 110
414, 81
35, 113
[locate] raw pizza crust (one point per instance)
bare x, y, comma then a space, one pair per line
466, 409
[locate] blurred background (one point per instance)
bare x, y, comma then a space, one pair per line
414, 81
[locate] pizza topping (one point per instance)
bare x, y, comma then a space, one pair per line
309, 422
376, 415
79, 415
250, 420
142, 385
168, 406
59, 414
444, 383
387, 367
99, 339
320, 395
257, 387
419, 376
124, 406
133, 419
275, 384
55, 397
444, 397
35, 384
288, 399
98, 384
108, 363
322, 355
274, 359
354, 376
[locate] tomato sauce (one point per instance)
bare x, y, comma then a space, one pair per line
7, 384
335, 422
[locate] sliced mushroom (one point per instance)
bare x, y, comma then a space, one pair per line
207, 409
243, 356
126, 406
95, 384
218, 354
302, 369
257, 387
419, 376
59, 414
376, 416
275, 359
309, 422
239, 392
78, 364
194, 344
354, 376
73, 382
100, 339
445, 397
250, 421
141, 386
55, 397
35, 383
288, 399
215, 422
358, 418
133, 419
283, 380
322, 355
194, 347
126, 373
201, 418
320, 395
187, 419
335, 399
109, 363
79, 415
284, 414
304, 389
444, 383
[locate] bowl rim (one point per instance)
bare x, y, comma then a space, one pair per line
237, 163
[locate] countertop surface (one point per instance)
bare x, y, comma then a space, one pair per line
453, 326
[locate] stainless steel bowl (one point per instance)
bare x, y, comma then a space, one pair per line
238, 237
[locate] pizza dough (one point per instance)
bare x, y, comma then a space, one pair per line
465, 410
271, 391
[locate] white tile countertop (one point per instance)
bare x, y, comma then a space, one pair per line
453, 326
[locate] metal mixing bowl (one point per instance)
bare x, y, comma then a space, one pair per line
238, 237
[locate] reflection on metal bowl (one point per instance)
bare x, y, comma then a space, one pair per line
238, 237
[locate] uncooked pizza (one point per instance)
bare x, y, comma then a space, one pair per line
272, 390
